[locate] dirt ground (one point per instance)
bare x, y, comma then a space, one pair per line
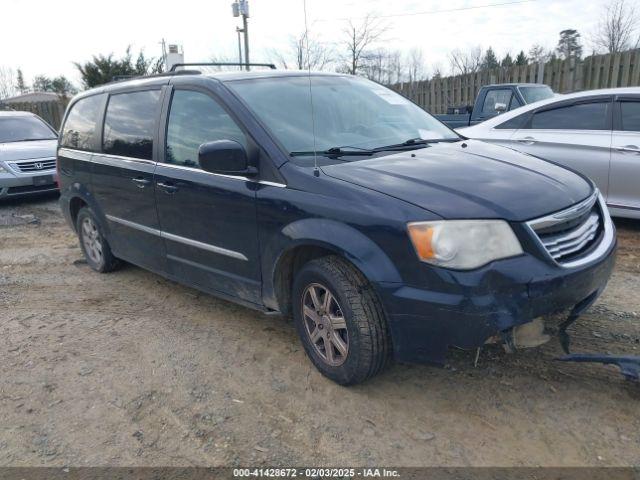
130, 369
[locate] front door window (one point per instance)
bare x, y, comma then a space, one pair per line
194, 119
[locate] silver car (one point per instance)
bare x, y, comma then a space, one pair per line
27, 154
595, 132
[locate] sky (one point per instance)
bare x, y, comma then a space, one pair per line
45, 37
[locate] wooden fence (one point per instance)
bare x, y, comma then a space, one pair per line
52, 112
563, 76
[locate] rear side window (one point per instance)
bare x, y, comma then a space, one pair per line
582, 116
82, 120
515, 122
194, 119
493, 97
130, 123
630, 112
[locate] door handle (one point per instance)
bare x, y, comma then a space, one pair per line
527, 140
141, 182
628, 149
167, 187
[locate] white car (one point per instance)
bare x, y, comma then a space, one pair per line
27, 155
595, 132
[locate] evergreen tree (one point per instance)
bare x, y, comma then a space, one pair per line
42, 83
569, 44
60, 85
522, 59
103, 69
507, 61
20, 85
490, 60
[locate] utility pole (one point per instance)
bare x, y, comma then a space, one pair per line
241, 8
239, 31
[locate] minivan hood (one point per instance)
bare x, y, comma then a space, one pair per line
11, 151
473, 181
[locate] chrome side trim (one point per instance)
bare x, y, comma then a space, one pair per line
199, 170
137, 226
272, 184
562, 216
178, 238
75, 154
204, 246
104, 159
234, 177
120, 162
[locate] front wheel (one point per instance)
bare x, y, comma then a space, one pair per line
340, 321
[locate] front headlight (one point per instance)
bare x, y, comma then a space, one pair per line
3, 170
463, 244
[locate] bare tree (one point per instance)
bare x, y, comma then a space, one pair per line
537, 54
395, 68
358, 39
617, 27
382, 65
467, 61
415, 66
436, 70
7, 82
390, 67
305, 52
373, 65
221, 58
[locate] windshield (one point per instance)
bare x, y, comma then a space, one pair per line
348, 112
19, 129
535, 94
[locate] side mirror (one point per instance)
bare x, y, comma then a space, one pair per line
500, 107
226, 157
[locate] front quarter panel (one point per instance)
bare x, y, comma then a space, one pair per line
365, 227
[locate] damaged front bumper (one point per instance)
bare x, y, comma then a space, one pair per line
466, 308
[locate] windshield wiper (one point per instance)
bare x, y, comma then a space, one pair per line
33, 139
357, 151
335, 152
413, 142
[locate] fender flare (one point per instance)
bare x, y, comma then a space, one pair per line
338, 237
78, 190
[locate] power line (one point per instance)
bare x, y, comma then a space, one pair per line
433, 12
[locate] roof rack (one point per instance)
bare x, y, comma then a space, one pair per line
224, 64
170, 73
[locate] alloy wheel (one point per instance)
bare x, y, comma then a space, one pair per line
91, 240
325, 324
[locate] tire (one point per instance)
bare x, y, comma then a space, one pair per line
352, 317
93, 243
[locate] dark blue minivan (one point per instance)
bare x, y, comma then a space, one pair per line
335, 200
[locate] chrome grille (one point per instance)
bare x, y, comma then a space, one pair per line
31, 166
572, 233
574, 240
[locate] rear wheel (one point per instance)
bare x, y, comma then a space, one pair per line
93, 243
340, 321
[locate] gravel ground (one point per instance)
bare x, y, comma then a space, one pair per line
131, 369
